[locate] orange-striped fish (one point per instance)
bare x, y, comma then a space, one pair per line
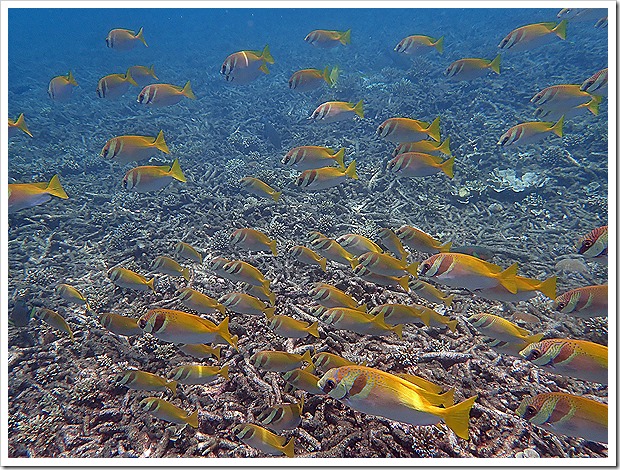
125, 39
145, 179
530, 132
325, 178
310, 157
18, 125
531, 36
470, 69
335, 111
418, 45
408, 130
253, 240
143, 75
244, 67
594, 244
163, 94
311, 79
60, 88
115, 85
584, 302
326, 39
597, 83
416, 239
425, 146
129, 148
259, 188
26, 195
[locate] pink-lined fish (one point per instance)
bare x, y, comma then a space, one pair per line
584, 302
597, 83
594, 244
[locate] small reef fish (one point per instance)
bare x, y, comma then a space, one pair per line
60, 88
331, 297
196, 374
159, 95
201, 351
418, 45
386, 265
325, 178
430, 292
470, 69
310, 157
145, 179
262, 293
503, 330
460, 270
420, 164
561, 97
331, 249
115, 85
551, 113
143, 75
217, 265
335, 111
325, 361
26, 195
531, 36
416, 239
18, 125
379, 393
594, 244
388, 281
479, 252
601, 23
240, 302
244, 67
391, 242
359, 322
282, 417
425, 146
568, 415
279, 361
414, 314
530, 132
241, 271
326, 39
311, 79
303, 379
575, 15
71, 294
165, 410
259, 188
358, 244
264, 440
129, 148
187, 251
53, 319
175, 326
130, 280
125, 39
290, 328
140, 380
408, 130
571, 358
119, 324
314, 235
597, 83
200, 302
253, 240
526, 290
307, 256
166, 265
584, 302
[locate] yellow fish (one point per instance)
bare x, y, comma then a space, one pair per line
282, 417
501, 329
530, 132
425, 146
531, 36
259, 188
389, 240
416, 239
431, 293
360, 322
279, 361
264, 440
18, 125
141, 380
552, 113
389, 281
332, 297
326, 39
60, 88
311, 157
168, 412
201, 351
357, 244
412, 314
166, 265
386, 265
418, 45
325, 178
470, 69
261, 292
408, 130
335, 111
124, 39
115, 85
130, 280
307, 256
290, 328
240, 271
303, 379
526, 290
561, 97
119, 324
71, 294
420, 164
311, 79
253, 240
240, 302
244, 67
326, 361
129, 148
159, 95
196, 374
200, 302
143, 75
145, 179
26, 195
422, 383
332, 250
53, 319
187, 251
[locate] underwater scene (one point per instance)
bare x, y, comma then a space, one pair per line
308, 232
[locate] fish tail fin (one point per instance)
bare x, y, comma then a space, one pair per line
274, 250
359, 109
176, 173
192, 419
272, 297
314, 329
534, 338
439, 45
224, 332
267, 284
448, 167
307, 357
404, 282
263, 68
160, 143
452, 325
351, 170
345, 38
560, 29
71, 79
507, 278
445, 147
362, 308
217, 352
269, 312
456, 417
140, 36
224, 372
129, 78
447, 301
494, 65
55, 188
151, 284
425, 316
323, 264
186, 274
21, 123
433, 130
445, 248
448, 397
152, 72
557, 128
339, 157
413, 269
326, 76
592, 106
235, 340
353, 262
187, 91
398, 329
333, 75
289, 448
266, 55
221, 308
172, 386
548, 287
276, 195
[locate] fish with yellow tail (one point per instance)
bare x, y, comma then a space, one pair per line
531, 36
176, 327
187, 251
401, 129
311, 79
561, 97
307, 256
240, 302
430, 292
596, 84
119, 324
360, 322
243, 67
253, 240
166, 411
125, 39
415, 164
330, 296
240, 271
470, 69
576, 358
386, 265
418, 45
53, 319
391, 242
567, 415
388, 281
279, 361
143, 75
468, 272
115, 85
27, 195
531, 132
326, 39
289, 327
140, 380
332, 250
129, 148
200, 302
166, 265
146, 179
526, 290
282, 417
71, 294
197, 374
303, 379
160, 95
264, 440
552, 113
325, 178
501, 329
429, 147
259, 188
593, 245
335, 111
584, 302
311, 157
128, 279
261, 292
414, 314
201, 351
380, 393
358, 244
422, 383
17, 126
325, 361
416, 239
61, 87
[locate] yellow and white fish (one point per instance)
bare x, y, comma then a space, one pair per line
335, 111
264, 440
261, 292
130, 280
187, 251
330, 297
119, 324
326, 39
561, 97
200, 302
503, 330
311, 79
408, 130
244, 67
18, 125
357, 244
159, 95
145, 179
166, 265
253, 240
597, 83
470, 69
71, 294
418, 45
282, 417
162, 409
201, 351
531, 36
530, 132
129, 148
414, 314
584, 302
197, 374
386, 265
124, 39
26, 195
115, 85
420, 164
311, 157
304, 380
425, 146
259, 188
307, 256
325, 178
143, 75
388, 281
240, 302
416, 239
325, 361
551, 113
390, 240
526, 290
54, 319
430, 292
60, 88
359, 322
140, 380
240, 271
332, 250
279, 361
290, 328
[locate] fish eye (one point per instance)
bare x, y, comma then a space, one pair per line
105, 151
587, 243
125, 183
530, 412
330, 384
424, 268
140, 97
561, 305
380, 129
142, 323
533, 355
